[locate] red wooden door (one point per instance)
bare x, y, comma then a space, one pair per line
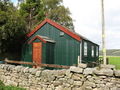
37, 53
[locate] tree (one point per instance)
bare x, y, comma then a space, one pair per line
12, 28
34, 11
56, 11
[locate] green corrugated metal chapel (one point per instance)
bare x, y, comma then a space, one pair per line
51, 43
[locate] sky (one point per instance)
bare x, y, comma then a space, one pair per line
87, 16
14, 1
87, 20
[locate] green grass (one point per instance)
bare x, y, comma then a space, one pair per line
3, 87
114, 61
12, 88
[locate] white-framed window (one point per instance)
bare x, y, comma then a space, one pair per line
92, 51
85, 48
97, 51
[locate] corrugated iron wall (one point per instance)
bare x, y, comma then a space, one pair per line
66, 49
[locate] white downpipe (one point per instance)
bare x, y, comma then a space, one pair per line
81, 52
80, 57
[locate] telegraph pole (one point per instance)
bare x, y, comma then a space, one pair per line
103, 33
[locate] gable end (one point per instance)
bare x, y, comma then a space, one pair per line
65, 30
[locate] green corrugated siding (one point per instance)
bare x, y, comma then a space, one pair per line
50, 53
66, 49
89, 58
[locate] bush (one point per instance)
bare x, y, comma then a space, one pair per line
13, 88
3, 87
1, 83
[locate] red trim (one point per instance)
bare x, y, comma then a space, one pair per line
65, 30
38, 38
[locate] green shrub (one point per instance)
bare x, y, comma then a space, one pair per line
3, 87
13, 88
1, 83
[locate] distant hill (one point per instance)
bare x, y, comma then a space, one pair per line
112, 52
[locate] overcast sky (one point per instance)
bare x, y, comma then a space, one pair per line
87, 16
87, 20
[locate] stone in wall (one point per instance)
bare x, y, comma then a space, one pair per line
104, 71
76, 69
117, 73
88, 71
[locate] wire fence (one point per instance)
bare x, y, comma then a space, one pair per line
113, 60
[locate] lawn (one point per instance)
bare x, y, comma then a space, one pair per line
114, 61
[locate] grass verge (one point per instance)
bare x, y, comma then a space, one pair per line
3, 87
114, 60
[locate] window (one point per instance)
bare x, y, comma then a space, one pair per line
92, 51
61, 33
97, 51
85, 48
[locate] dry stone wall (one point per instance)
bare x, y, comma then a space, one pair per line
75, 78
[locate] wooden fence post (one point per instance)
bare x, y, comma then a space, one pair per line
6, 59
107, 60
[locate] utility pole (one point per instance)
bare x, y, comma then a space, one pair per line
103, 33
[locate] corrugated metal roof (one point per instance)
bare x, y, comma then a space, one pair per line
83, 37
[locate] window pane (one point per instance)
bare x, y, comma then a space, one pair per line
92, 51
85, 48
97, 51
